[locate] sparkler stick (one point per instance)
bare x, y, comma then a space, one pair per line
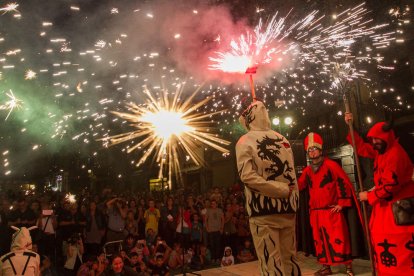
361, 188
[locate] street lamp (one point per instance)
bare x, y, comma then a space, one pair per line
288, 121
283, 124
276, 121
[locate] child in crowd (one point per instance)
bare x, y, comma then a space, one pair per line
175, 259
205, 256
246, 253
86, 269
125, 257
129, 243
135, 261
102, 263
159, 268
45, 266
228, 258
150, 238
142, 250
196, 232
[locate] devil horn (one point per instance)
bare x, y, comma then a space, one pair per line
387, 126
15, 228
32, 227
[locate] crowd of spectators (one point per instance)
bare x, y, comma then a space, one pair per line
158, 233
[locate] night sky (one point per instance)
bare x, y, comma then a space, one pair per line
91, 57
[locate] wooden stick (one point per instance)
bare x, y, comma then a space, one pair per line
361, 187
252, 87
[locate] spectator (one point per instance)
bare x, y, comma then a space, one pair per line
117, 211
74, 252
175, 259
23, 216
204, 256
161, 249
4, 230
168, 221
118, 268
228, 258
141, 222
131, 225
102, 263
95, 229
35, 207
243, 229
152, 216
214, 226
47, 225
142, 250
190, 205
125, 257
159, 268
183, 231
132, 206
230, 230
45, 266
86, 269
81, 218
150, 238
217, 196
196, 232
135, 262
246, 253
129, 243
66, 221
203, 214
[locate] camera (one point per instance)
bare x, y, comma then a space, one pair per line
74, 239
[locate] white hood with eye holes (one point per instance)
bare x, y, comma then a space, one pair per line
265, 165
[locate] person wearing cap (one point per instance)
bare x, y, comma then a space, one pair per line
391, 224
330, 191
265, 165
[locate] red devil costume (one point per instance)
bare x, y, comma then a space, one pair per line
328, 186
393, 244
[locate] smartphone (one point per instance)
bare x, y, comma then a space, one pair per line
47, 212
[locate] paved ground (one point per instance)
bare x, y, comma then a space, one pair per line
308, 266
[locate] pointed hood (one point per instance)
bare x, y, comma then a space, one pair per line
383, 131
255, 117
21, 239
227, 248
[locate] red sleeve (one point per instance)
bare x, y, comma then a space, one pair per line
304, 179
343, 185
393, 177
363, 149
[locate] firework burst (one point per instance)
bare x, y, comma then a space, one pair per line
169, 128
9, 8
11, 104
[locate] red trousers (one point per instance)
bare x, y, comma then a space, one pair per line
331, 237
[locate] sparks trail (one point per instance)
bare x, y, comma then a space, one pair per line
313, 42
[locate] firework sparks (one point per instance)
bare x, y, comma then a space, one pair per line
11, 104
70, 198
169, 128
30, 75
250, 50
9, 8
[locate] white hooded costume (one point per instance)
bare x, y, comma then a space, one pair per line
265, 165
21, 260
